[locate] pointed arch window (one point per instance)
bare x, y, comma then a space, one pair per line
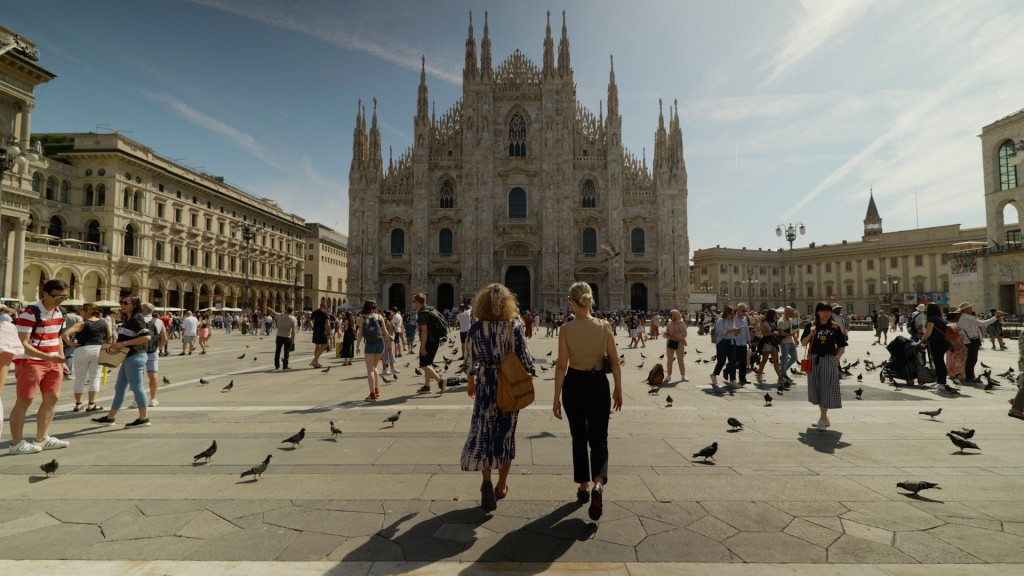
398, 241
1007, 171
589, 241
517, 136
447, 194
637, 240
517, 203
445, 242
588, 195
129, 240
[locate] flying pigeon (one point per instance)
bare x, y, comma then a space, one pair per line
964, 433
208, 453
241, 357
228, 387
961, 443
931, 413
50, 467
707, 452
858, 392
735, 423
668, 402
916, 487
767, 399
296, 440
257, 471
335, 430
203, 382
393, 418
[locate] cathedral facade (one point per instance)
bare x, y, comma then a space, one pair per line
518, 183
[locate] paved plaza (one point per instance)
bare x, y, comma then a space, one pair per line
388, 500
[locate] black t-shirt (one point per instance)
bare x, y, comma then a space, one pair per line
938, 336
319, 321
93, 333
131, 329
828, 338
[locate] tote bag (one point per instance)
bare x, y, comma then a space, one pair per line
515, 384
110, 357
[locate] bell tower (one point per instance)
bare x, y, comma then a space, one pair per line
872, 221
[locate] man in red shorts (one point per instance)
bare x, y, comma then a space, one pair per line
40, 367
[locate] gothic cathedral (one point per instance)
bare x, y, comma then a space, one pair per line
518, 183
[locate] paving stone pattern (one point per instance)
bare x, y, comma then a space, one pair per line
779, 491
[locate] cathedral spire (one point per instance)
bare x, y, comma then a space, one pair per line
564, 67
421, 96
470, 71
613, 92
359, 137
376, 162
485, 53
549, 52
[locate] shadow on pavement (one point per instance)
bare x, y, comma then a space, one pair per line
825, 441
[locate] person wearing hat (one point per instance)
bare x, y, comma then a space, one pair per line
971, 326
995, 330
837, 317
916, 323
827, 345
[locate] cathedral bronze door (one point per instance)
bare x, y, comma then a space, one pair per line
517, 279
638, 296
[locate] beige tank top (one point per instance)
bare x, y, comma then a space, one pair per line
587, 345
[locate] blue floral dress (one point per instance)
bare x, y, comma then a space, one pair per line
492, 434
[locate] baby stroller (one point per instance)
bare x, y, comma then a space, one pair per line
907, 361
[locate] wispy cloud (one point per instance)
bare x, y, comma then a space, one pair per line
821, 21
307, 19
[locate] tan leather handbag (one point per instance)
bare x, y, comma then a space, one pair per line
515, 384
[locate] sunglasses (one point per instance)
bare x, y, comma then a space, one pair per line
59, 297
125, 302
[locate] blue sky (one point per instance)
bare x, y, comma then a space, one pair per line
791, 110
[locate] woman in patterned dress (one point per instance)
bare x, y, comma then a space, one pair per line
956, 356
828, 343
492, 434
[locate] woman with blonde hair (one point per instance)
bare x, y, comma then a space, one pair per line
91, 333
675, 344
581, 383
492, 433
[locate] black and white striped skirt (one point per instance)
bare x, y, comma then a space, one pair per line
823, 382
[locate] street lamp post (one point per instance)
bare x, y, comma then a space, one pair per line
12, 154
790, 232
249, 233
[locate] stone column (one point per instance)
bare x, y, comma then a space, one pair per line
26, 122
18, 276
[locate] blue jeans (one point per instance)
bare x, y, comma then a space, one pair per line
788, 350
131, 373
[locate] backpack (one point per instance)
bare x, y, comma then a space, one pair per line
515, 385
437, 328
371, 330
154, 337
912, 324
656, 376
39, 320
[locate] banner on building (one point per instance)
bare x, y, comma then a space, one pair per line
963, 268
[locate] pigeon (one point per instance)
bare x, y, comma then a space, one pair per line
660, 357
335, 430
543, 369
858, 392
983, 365
419, 372
735, 423
654, 391
549, 353
325, 370
257, 471
241, 357
931, 413
203, 382
950, 390
393, 418
698, 351
253, 358
767, 399
50, 467
642, 356
961, 443
228, 387
707, 452
916, 487
964, 433
166, 381
208, 453
860, 377
296, 440
640, 365
867, 353
668, 402
990, 386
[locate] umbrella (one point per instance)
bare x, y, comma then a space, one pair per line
106, 304
73, 302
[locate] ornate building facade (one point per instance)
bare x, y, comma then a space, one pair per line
325, 269
518, 183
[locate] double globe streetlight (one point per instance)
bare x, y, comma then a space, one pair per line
790, 232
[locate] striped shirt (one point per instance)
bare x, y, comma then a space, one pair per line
47, 336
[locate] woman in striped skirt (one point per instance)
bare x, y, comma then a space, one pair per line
828, 343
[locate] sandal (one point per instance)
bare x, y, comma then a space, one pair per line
500, 495
94, 408
78, 407
372, 397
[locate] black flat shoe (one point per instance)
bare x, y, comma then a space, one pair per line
596, 504
582, 497
487, 501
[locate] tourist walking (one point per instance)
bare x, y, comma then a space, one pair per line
675, 345
429, 342
321, 333
725, 331
189, 330
374, 330
769, 347
827, 344
348, 338
287, 326
491, 444
581, 385
132, 335
788, 328
89, 334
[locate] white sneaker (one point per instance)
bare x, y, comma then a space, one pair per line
51, 443
395, 372
132, 405
153, 402
685, 379
386, 373
714, 380
24, 447
760, 379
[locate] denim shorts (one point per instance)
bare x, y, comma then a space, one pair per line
374, 347
152, 361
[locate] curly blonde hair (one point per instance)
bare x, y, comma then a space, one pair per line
495, 302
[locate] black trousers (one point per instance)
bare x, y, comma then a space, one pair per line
938, 351
742, 365
973, 345
587, 403
286, 344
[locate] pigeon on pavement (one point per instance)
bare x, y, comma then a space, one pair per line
767, 399
707, 452
931, 413
50, 467
228, 387
962, 443
203, 381
166, 381
668, 402
296, 440
257, 471
335, 430
965, 433
326, 370
858, 392
241, 357
735, 423
393, 418
916, 487
207, 454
